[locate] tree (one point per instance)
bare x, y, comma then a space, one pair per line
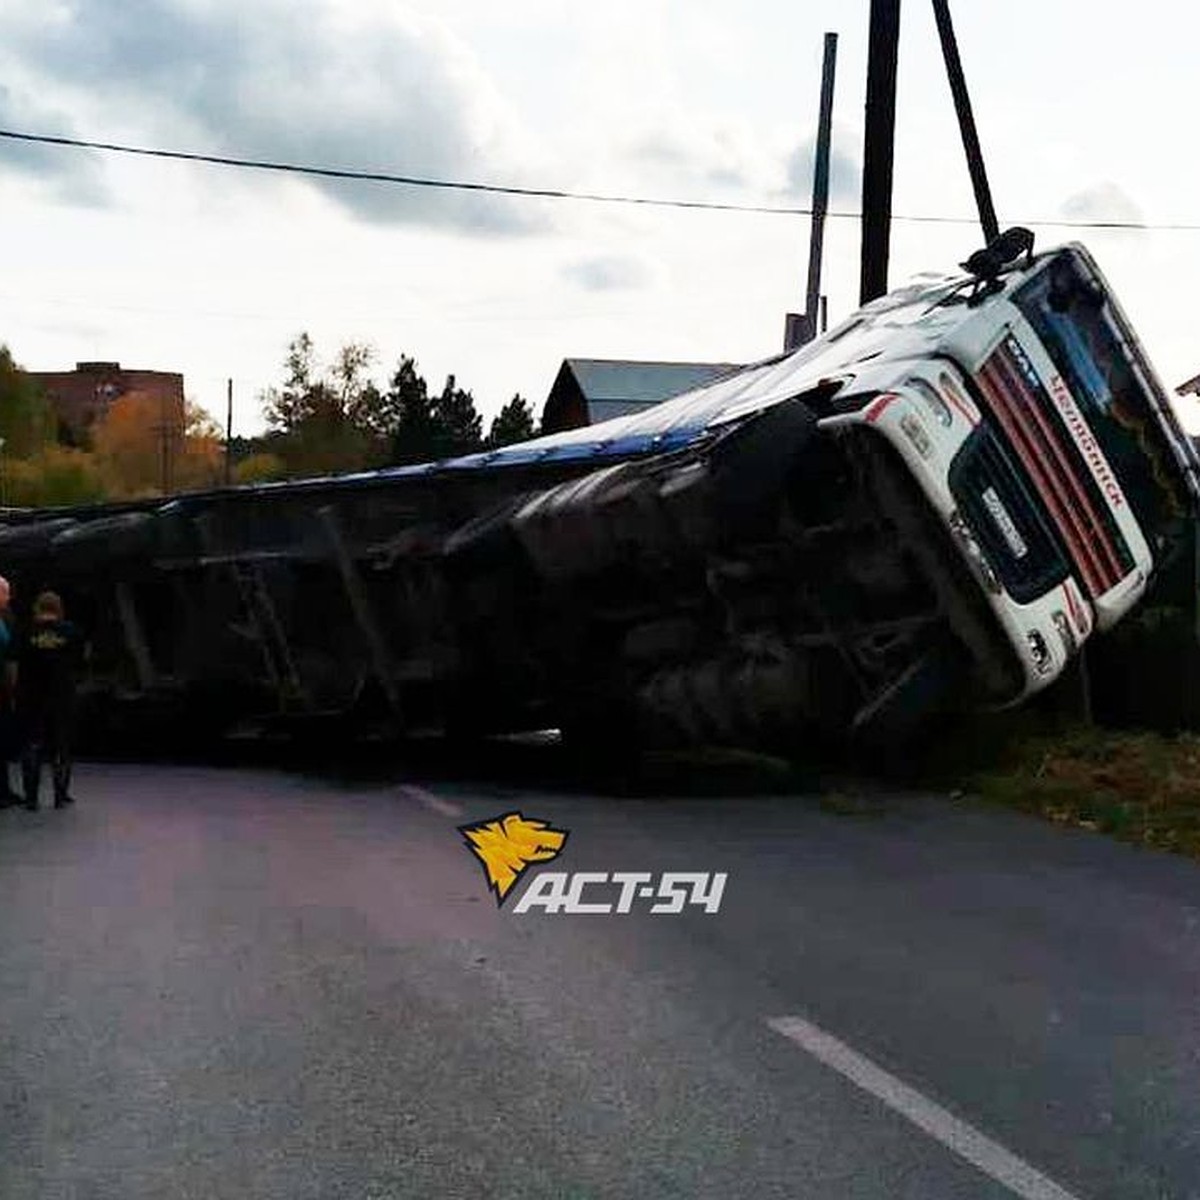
424, 428
26, 422
344, 395
133, 445
357, 395
513, 423
200, 454
317, 421
145, 447
339, 419
406, 415
458, 428
287, 407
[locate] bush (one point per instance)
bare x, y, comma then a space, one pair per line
59, 475
259, 468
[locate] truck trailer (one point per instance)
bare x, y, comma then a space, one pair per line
934, 505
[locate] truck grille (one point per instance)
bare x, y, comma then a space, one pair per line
1034, 430
996, 502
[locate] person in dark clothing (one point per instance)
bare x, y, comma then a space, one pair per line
9, 739
48, 655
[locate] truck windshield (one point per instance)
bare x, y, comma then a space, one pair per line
1076, 325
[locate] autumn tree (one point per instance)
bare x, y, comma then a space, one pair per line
132, 443
513, 423
145, 446
199, 461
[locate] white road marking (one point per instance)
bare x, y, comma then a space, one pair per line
965, 1140
445, 808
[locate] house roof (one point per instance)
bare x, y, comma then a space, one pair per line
633, 384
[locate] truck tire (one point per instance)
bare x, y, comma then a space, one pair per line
751, 467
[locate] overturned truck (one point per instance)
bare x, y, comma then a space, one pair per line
937, 503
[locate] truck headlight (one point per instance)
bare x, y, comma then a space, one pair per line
1043, 662
936, 405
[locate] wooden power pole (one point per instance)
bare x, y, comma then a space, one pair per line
228, 432
879, 147
803, 327
966, 122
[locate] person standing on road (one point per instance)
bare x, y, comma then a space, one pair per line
9, 741
48, 655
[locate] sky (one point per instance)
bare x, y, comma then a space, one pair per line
1084, 113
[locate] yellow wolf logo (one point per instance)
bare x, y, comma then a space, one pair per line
506, 845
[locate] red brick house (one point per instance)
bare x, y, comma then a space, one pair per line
81, 397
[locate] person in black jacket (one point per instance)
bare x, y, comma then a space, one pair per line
49, 650
10, 743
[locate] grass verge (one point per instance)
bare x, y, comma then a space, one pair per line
1140, 787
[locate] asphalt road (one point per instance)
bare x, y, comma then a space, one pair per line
246, 983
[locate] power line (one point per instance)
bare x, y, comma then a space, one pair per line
405, 180
541, 193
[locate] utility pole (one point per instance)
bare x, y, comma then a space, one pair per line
803, 327
966, 122
879, 147
821, 182
228, 432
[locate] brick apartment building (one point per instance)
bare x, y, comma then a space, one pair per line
82, 396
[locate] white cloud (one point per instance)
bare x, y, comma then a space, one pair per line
1103, 202
375, 88
845, 170
69, 177
607, 273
